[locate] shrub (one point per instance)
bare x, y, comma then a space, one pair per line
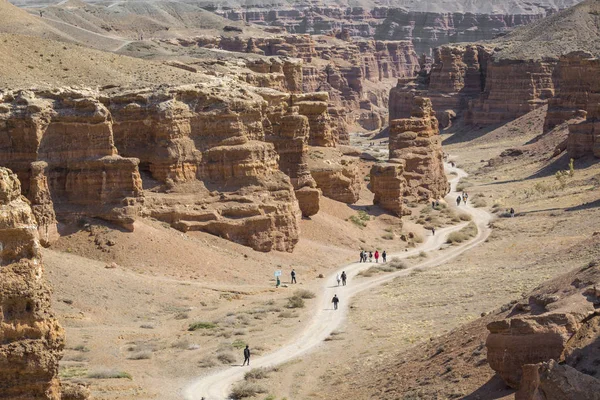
81, 348
295, 302
226, 358
287, 314
140, 355
256, 373
207, 362
388, 236
462, 235
108, 374
246, 389
417, 238
201, 325
238, 344
479, 202
465, 217
397, 263
305, 294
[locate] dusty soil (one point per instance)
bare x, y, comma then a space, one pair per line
421, 336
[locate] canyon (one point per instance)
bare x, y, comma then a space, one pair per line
159, 161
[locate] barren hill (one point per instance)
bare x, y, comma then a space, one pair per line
577, 28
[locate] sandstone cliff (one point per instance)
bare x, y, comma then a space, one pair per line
388, 183
337, 175
416, 141
558, 322
32, 340
60, 143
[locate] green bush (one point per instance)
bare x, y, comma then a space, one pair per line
201, 325
108, 374
304, 294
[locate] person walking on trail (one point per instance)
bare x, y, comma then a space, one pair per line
458, 200
383, 256
338, 279
376, 256
362, 256
465, 197
344, 277
246, 356
277, 283
370, 256
335, 301
433, 231
293, 276
512, 212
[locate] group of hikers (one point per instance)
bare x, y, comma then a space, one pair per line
364, 254
464, 197
341, 278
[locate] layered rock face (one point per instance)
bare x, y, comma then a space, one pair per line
416, 141
455, 77
32, 340
428, 30
348, 71
578, 96
389, 186
338, 176
61, 146
214, 140
512, 89
558, 322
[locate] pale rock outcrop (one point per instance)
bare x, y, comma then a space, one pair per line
388, 184
31, 339
416, 141
338, 176
315, 107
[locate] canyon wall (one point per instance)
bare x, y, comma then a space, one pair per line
388, 183
60, 144
32, 340
356, 75
577, 101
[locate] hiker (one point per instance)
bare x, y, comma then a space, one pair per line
335, 301
458, 200
362, 256
383, 256
246, 356
465, 197
370, 256
432, 204
278, 283
437, 203
338, 279
433, 231
452, 164
512, 212
376, 256
344, 277
293, 276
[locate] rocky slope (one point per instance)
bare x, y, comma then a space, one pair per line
32, 339
558, 323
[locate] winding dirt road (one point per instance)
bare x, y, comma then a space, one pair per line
217, 386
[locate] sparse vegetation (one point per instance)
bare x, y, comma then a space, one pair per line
463, 184
258, 373
361, 219
388, 236
226, 357
238, 344
201, 325
295, 302
304, 294
464, 234
140, 355
287, 314
246, 389
108, 374
479, 202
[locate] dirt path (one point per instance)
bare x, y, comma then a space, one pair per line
217, 386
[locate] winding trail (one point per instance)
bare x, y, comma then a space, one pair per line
217, 386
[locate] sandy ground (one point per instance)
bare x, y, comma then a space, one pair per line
325, 320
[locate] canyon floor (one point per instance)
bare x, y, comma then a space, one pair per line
139, 294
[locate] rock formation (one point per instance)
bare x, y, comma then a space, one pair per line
388, 183
558, 322
70, 132
32, 340
338, 176
416, 141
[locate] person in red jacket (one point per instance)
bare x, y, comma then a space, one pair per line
376, 256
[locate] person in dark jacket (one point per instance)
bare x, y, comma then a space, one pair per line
344, 277
384, 256
293, 276
335, 301
246, 356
